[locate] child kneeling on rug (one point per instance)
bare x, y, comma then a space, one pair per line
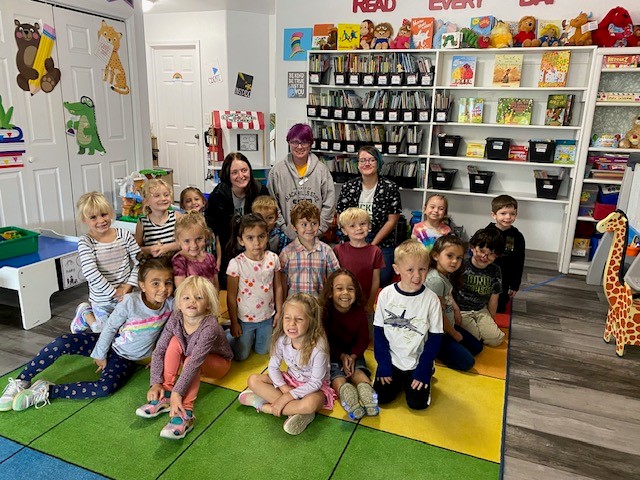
193, 340
303, 389
128, 336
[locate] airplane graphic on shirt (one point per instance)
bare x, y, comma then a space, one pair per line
400, 321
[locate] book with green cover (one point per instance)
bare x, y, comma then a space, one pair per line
565, 152
558, 110
514, 111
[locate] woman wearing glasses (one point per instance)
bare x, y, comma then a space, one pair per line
301, 176
233, 195
380, 197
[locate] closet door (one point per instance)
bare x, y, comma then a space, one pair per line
110, 154
37, 194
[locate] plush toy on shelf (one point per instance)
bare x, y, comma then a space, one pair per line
549, 36
526, 36
471, 39
382, 36
575, 34
501, 36
615, 30
403, 38
632, 137
441, 29
366, 34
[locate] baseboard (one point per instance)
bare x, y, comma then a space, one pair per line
540, 259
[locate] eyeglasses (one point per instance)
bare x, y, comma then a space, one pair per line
364, 161
488, 254
297, 143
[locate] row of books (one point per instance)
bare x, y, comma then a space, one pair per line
344, 164
606, 166
507, 70
397, 100
376, 63
364, 133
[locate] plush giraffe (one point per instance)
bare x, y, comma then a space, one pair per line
623, 317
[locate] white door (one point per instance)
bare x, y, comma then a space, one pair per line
178, 106
38, 194
91, 168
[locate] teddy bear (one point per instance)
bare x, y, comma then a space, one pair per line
28, 38
403, 38
632, 137
526, 36
366, 34
615, 30
575, 34
500, 35
382, 34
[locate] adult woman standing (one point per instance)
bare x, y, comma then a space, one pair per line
380, 197
233, 195
301, 176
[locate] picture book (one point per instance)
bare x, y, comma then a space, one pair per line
507, 70
518, 153
619, 61
463, 70
320, 35
565, 152
475, 149
348, 36
422, 32
514, 111
482, 25
470, 110
554, 67
558, 110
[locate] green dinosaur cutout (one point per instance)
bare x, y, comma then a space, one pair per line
85, 127
5, 117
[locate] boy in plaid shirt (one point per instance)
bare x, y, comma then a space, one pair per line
306, 262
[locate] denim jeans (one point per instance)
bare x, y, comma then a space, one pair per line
386, 273
254, 334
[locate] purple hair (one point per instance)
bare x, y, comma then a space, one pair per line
301, 132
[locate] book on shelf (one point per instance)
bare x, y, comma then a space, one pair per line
518, 153
514, 111
475, 149
463, 70
482, 25
348, 36
507, 70
422, 32
559, 110
619, 61
554, 68
320, 35
470, 110
565, 152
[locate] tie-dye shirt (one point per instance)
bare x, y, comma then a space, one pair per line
132, 328
428, 235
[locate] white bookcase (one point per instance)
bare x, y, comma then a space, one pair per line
544, 222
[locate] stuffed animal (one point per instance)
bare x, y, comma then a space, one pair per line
549, 36
382, 34
575, 34
615, 30
366, 34
632, 137
500, 36
440, 29
471, 39
403, 38
332, 40
526, 36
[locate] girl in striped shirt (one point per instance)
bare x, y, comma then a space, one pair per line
108, 258
155, 231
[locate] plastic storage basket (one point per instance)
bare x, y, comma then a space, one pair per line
479, 182
442, 180
548, 187
26, 243
449, 144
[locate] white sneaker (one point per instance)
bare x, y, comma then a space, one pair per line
14, 387
295, 424
37, 395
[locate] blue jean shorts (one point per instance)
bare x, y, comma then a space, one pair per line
336, 369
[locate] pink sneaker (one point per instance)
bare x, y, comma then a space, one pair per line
78, 324
250, 399
153, 408
178, 426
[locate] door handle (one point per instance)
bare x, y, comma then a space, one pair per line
197, 136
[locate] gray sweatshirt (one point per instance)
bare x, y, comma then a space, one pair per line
316, 186
132, 328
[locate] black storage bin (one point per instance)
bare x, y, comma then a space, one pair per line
391, 148
548, 187
405, 182
339, 113
340, 78
498, 148
412, 78
379, 115
352, 114
423, 115
393, 116
342, 177
397, 78
354, 78
366, 114
449, 144
319, 78
325, 112
442, 180
413, 148
382, 79
323, 144
312, 110
541, 151
368, 79
350, 146
337, 145
479, 182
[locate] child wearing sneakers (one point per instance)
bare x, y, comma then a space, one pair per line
108, 259
194, 341
407, 330
347, 329
302, 390
481, 285
128, 336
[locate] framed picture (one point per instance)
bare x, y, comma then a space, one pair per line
247, 142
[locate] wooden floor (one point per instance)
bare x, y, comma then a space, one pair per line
573, 408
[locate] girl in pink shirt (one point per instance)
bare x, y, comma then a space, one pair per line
192, 234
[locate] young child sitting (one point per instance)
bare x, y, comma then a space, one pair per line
192, 199
407, 330
302, 390
192, 234
108, 259
346, 326
306, 262
361, 258
482, 283
504, 210
155, 230
433, 227
266, 206
191, 343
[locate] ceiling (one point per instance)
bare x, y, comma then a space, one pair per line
266, 7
